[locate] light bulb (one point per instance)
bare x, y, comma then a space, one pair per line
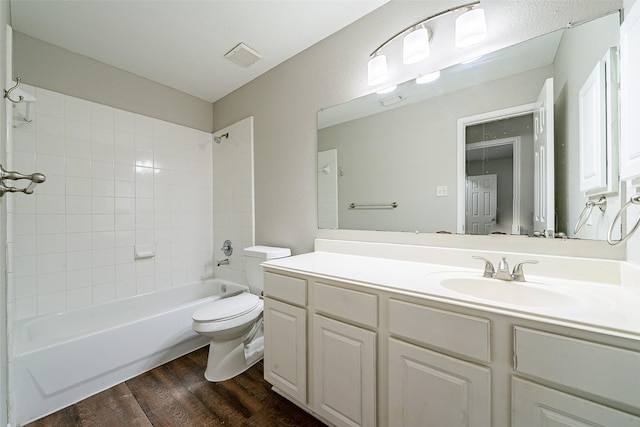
471, 28
377, 70
416, 46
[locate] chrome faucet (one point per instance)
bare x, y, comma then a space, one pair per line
503, 270
223, 262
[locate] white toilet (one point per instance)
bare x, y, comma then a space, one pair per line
234, 324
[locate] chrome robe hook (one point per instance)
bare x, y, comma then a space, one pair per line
7, 92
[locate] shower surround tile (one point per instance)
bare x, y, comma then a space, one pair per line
115, 179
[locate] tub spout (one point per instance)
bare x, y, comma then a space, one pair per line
223, 262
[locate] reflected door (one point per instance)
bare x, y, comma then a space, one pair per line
482, 191
544, 212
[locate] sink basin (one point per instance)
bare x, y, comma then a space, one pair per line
526, 294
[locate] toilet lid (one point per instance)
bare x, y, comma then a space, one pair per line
227, 308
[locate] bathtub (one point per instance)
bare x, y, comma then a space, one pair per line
60, 359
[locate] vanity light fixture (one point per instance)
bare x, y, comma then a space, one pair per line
428, 78
377, 68
470, 29
416, 45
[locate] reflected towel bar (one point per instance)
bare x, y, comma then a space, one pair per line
392, 205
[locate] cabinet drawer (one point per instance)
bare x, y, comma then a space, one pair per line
285, 288
347, 304
461, 334
602, 370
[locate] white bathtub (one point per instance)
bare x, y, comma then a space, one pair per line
60, 359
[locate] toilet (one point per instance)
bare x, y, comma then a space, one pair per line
234, 324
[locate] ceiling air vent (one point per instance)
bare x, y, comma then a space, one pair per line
243, 55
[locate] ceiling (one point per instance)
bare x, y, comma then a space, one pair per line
182, 43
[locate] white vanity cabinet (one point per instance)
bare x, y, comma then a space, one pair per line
285, 334
344, 355
601, 372
355, 354
427, 387
536, 406
344, 373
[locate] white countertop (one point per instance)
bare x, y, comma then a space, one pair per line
604, 308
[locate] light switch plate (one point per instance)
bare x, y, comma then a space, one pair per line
442, 190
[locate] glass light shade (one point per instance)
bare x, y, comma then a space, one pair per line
471, 28
416, 46
428, 78
377, 70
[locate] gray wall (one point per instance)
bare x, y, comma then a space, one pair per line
50, 67
284, 103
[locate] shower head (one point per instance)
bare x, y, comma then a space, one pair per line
218, 139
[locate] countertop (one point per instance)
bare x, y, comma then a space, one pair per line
611, 309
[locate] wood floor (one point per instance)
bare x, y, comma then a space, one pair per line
177, 394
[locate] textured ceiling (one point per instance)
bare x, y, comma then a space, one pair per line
181, 43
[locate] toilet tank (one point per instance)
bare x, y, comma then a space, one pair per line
252, 257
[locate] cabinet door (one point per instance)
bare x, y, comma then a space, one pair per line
430, 389
537, 406
344, 373
630, 94
285, 348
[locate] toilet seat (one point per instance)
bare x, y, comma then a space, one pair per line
227, 308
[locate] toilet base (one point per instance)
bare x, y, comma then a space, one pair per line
229, 359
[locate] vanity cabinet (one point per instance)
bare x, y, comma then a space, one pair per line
536, 406
285, 334
427, 387
602, 372
344, 373
344, 354
430, 388
361, 355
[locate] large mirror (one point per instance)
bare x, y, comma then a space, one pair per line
407, 160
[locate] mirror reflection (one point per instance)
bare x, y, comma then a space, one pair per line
499, 152
420, 147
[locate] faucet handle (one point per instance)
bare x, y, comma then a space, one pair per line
518, 272
489, 271
226, 248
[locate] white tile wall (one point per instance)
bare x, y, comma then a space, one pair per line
115, 179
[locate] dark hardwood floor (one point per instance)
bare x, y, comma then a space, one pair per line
177, 394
